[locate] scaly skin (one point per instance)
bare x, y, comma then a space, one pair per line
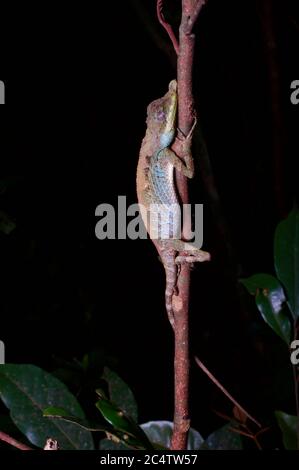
157, 197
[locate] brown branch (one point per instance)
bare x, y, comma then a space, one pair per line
226, 393
181, 301
197, 9
13, 442
167, 26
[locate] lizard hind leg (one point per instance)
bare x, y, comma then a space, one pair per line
198, 256
189, 253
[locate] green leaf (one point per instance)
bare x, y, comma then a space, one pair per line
120, 393
26, 390
61, 413
123, 423
289, 427
286, 258
116, 417
160, 433
270, 300
115, 438
223, 439
7, 425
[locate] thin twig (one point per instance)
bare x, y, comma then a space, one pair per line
243, 433
250, 436
248, 433
229, 396
167, 26
13, 442
161, 40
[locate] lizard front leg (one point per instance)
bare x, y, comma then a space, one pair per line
185, 166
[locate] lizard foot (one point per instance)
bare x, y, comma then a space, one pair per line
189, 257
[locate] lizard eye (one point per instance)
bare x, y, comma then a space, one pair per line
160, 115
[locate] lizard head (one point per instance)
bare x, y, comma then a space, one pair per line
161, 116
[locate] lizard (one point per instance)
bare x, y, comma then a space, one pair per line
156, 192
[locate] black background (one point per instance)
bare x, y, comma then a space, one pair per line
78, 82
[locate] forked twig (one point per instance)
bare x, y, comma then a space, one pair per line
226, 393
167, 26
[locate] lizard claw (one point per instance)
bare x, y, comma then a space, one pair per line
190, 133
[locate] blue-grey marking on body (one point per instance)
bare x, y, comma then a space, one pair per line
157, 195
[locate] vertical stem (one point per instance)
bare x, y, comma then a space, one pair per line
181, 302
181, 365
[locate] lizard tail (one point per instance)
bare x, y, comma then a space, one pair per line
168, 259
